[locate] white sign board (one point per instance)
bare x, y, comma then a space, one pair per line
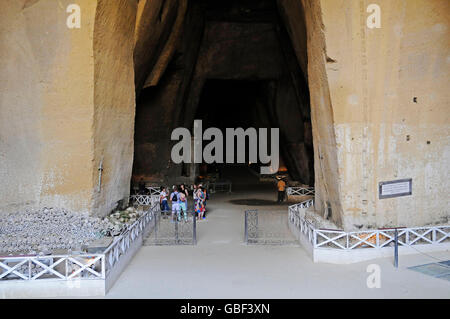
402, 187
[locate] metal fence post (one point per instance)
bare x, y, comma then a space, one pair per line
315, 238
176, 229
67, 267
347, 241
246, 227
104, 266
396, 249
194, 222
155, 229
256, 223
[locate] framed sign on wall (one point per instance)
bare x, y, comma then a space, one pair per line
400, 187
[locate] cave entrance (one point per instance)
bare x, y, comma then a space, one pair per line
234, 66
236, 104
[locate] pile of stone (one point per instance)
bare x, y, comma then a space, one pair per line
119, 220
317, 220
46, 230
51, 230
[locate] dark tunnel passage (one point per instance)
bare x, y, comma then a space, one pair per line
237, 104
235, 66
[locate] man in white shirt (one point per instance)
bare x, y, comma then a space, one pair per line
163, 200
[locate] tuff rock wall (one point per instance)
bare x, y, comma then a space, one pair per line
379, 107
378, 100
67, 101
390, 106
114, 101
46, 106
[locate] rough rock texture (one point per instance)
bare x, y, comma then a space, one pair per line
48, 229
46, 106
377, 76
152, 138
114, 100
379, 108
325, 154
234, 43
376, 110
156, 33
67, 100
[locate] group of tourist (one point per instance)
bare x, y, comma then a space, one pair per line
180, 203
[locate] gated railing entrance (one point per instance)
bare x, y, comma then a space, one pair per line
173, 229
267, 228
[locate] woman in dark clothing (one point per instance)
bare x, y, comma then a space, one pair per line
184, 190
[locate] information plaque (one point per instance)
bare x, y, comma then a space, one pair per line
401, 187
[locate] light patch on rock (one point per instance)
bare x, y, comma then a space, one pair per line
353, 99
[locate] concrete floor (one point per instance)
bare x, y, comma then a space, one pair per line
221, 266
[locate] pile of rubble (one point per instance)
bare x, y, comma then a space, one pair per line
120, 220
52, 229
317, 220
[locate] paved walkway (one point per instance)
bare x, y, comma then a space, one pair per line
221, 266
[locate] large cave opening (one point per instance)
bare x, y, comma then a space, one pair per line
234, 66
236, 104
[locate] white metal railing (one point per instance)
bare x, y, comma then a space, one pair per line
122, 243
153, 190
82, 266
55, 267
148, 200
291, 190
300, 224
376, 238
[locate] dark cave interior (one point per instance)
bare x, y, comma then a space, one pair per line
234, 66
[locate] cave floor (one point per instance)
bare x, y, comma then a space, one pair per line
222, 266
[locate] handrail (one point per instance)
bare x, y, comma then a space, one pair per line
300, 190
372, 238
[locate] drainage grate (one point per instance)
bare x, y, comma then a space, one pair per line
439, 270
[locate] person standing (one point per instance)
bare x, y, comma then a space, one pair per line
183, 204
281, 185
194, 196
184, 190
201, 203
198, 203
141, 187
206, 196
174, 198
163, 200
